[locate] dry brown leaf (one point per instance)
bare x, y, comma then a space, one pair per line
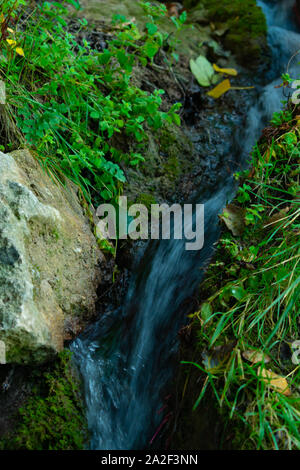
174, 8
268, 155
276, 219
234, 219
217, 356
255, 356
275, 381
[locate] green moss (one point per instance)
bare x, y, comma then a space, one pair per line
172, 168
167, 137
247, 29
146, 199
53, 417
169, 155
174, 143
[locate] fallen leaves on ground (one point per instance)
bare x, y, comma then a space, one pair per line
255, 356
234, 219
206, 311
174, 8
220, 89
218, 355
220, 31
275, 381
202, 70
229, 71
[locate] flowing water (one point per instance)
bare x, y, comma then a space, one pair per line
126, 358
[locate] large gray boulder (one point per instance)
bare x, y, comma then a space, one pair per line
49, 262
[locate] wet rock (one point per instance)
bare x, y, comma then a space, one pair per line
48, 262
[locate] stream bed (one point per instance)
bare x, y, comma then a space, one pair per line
127, 358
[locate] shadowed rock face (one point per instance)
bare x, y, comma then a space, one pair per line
48, 262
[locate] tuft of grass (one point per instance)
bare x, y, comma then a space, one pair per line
250, 301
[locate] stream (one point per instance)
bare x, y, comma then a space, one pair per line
128, 357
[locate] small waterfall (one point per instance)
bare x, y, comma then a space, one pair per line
279, 13
126, 358
284, 44
123, 379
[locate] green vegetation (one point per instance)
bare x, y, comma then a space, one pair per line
81, 112
53, 417
245, 353
78, 107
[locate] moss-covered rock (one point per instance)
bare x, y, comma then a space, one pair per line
146, 199
52, 417
243, 24
169, 155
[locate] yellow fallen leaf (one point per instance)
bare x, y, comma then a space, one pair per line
11, 42
220, 89
2, 18
20, 51
255, 356
232, 72
10, 30
275, 381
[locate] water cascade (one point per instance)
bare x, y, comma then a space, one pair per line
126, 358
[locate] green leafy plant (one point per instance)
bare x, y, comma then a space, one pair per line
78, 107
280, 117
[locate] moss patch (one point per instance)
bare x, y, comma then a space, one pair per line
146, 199
52, 417
169, 155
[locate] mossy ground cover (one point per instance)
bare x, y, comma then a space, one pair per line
52, 417
243, 24
245, 347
